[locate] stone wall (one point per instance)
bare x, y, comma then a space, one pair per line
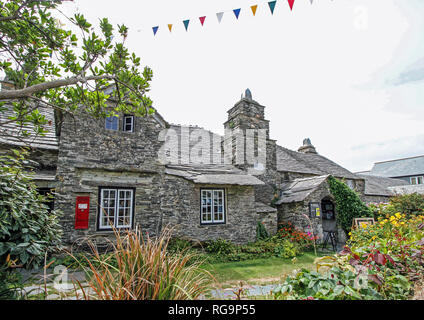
181, 210
91, 157
294, 212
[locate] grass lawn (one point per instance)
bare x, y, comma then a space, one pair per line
259, 271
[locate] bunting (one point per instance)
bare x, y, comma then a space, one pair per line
186, 22
271, 5
237, 12
220, 15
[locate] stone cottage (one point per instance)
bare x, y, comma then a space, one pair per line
108, 173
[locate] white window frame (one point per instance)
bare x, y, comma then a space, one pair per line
218, 197
116, 208
111, 123
125, 123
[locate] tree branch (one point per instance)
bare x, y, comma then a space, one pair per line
29, 91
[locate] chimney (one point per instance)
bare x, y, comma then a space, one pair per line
307, 147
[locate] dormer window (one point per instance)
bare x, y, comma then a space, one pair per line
128, 123
112, 123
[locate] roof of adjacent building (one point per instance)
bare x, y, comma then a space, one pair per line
11, 132
213, 174
400, 167
263, 208
310, 163
375, 185
299, 189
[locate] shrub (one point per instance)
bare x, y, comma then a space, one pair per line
348, 204
409, 204
145, 271
382, 261
27, 229
10, 283
261, 232
288, 232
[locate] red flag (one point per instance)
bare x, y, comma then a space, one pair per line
291, 3
202, 20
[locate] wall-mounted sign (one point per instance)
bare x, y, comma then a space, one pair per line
314, 209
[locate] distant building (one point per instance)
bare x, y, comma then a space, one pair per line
410, 170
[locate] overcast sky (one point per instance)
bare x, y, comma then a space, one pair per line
348, 74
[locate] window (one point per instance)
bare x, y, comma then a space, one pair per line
116, 208
416, 180
212, 206
350, 184
111, 123
128, 123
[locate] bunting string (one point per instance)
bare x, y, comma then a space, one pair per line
236, 12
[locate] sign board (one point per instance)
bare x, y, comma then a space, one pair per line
314, 209
360, 222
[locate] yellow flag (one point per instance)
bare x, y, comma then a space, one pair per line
254, 9
170, 27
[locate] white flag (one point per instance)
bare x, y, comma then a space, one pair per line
219, 16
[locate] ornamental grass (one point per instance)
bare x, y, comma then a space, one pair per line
141, 268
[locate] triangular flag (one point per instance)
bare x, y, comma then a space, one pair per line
155, 29
170, 27
219, 16
186, 22
237, 12
202, 20
291, 3
272, 6
254, 8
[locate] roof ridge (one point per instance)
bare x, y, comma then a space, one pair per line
414, 157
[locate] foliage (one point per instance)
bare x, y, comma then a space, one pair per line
10, 283
409, 204
382, 261
223, 251
51, 65
28, 230
305, 240
333, 285
348, 204
145, 270
261, 232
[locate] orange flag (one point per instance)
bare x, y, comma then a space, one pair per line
254, 9
170, 27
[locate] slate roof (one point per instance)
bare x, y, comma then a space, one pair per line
310, 163
375, 185
213, 174
263, 208
299, 189
10, 132
399, 168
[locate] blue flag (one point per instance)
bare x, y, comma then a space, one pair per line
186, 22
272, 6
236, 12
155, 29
